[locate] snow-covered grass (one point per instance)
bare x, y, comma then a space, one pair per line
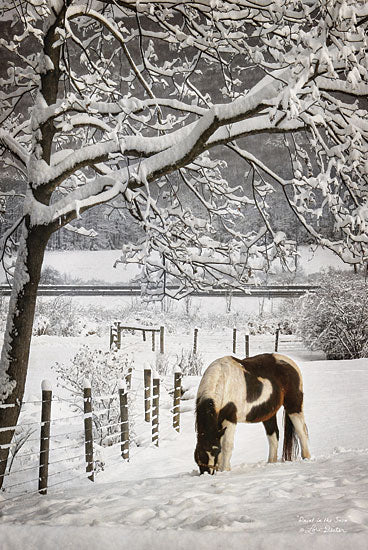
158, 500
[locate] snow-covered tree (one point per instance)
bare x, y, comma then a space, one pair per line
334, 319
136, 102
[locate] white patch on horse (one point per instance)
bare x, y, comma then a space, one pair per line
227, 445
273, 444
301, 431
211, 460
263, 398
266, 392
223, 380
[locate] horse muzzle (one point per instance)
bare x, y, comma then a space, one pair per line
205, 468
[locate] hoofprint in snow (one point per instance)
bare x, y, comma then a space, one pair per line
158, 500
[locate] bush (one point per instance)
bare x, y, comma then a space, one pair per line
190, 363
104, 370
58, 317
162, 364
335, 318
50, 276
63, 316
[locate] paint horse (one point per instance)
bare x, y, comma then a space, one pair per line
248, 390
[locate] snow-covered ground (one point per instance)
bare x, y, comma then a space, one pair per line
158, 500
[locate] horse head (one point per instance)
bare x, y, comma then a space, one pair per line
208, 450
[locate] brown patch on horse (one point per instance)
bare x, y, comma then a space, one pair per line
228, 412
207, 432
210, 430
254, 386
264, 411
271, 426
293, 401
206, 419
281, 374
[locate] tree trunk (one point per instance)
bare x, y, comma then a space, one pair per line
18, 333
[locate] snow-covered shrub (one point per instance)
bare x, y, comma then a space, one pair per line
61, 316
190, 363
104, 369
266, 323
50, 276
162, 364
334, 319
288, 315
57, 317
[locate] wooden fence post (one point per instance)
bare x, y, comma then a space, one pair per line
144, 335
195, 342
88, 432
177, 396
277, 336
155, 410
147, 394
113, 334
162, 339
45, 437
247, 345
234, 340
118, 342
153, 340
124, 421
128, 378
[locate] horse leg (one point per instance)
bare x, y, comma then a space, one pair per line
272, 432
301, 431
227, 445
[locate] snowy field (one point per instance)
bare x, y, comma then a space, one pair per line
88, 265
159, 501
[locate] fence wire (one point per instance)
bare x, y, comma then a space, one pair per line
138, 442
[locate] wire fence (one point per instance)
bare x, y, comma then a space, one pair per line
59, 455
242, 341
105, 428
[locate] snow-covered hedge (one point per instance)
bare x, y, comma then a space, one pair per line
335, 318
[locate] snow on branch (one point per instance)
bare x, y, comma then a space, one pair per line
12, 145
143, 93
191, 144
81, 231
40, 172
94, 192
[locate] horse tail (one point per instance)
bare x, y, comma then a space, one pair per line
291, 445
206, 418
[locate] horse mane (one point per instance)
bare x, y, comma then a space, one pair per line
206, 419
